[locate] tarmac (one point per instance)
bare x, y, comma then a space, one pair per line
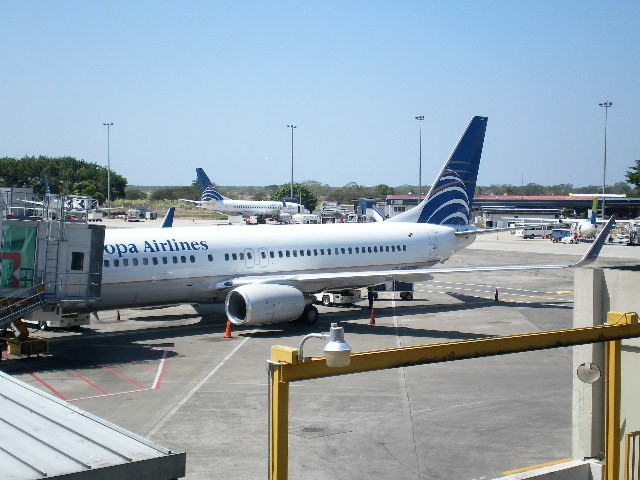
170, 375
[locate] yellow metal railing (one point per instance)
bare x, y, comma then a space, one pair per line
632, 456
285, 367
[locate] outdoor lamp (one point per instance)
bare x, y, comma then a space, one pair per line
337, 352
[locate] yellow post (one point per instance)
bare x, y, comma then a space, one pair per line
612, 396
279, 412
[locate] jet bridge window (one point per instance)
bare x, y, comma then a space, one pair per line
77, 261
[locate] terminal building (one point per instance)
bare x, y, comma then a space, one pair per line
492, 208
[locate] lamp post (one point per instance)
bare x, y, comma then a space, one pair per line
606, 106
420, 118
292, 126
108, 125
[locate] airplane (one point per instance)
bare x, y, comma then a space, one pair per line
211, 199
269, 274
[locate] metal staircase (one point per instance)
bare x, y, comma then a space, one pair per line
20, 303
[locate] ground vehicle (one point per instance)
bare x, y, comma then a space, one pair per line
405, 289
564, 235
339, 297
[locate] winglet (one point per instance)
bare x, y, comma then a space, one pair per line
168, 219
594, 251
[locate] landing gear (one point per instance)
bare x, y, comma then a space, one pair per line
406, 295
326, 301
309, 315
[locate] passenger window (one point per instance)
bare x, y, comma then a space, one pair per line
328, 251
315, 252
404, 248
288, 254
234, 256
337, 252
106, 263
145, 261
175, 259
192, 258
272, 254
295, 253
343, 251
357, 249
210, 257
308, 253
375, 249
241, 255
125, 262
393, 248
302, 253
369, 249
226, 257
165, 260
116, 262
135, 262
322, 251
280, 253
249, 256
77, 261
154, 260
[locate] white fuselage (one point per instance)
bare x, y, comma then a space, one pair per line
189, 265
248, 208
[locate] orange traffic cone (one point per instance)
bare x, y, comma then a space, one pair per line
373, 317
227, 334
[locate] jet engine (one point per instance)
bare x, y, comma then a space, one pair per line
263, 303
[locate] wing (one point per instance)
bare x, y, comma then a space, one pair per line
316, 282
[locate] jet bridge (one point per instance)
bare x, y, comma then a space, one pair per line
48, 264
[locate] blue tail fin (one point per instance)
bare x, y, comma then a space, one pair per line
47, 190
449, 200
207, 189
168, 218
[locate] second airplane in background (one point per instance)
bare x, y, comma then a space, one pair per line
211, 199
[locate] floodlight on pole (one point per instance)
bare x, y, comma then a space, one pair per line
292, 126
420, 118
108, 125
606, 106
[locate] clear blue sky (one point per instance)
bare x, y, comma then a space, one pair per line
213, 84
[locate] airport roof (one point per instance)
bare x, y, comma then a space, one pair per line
44, 437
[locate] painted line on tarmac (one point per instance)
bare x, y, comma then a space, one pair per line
197, 387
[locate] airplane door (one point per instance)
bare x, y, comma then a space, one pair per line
432, 247
249, 259
263, 257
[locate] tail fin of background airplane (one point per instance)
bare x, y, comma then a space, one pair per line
47, 190
449, 200
168, 218
594, 217
207, 189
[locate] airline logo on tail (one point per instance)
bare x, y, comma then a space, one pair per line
208, 191
449, 200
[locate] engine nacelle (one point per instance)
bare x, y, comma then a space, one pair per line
263, 303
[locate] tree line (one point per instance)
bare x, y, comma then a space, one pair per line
70, 176
65, 176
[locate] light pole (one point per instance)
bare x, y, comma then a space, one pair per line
108, 167
606, 106
420, 118
292, 126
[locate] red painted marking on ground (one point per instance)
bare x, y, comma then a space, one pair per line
55, 392
143, 366
123, 377
87, 381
